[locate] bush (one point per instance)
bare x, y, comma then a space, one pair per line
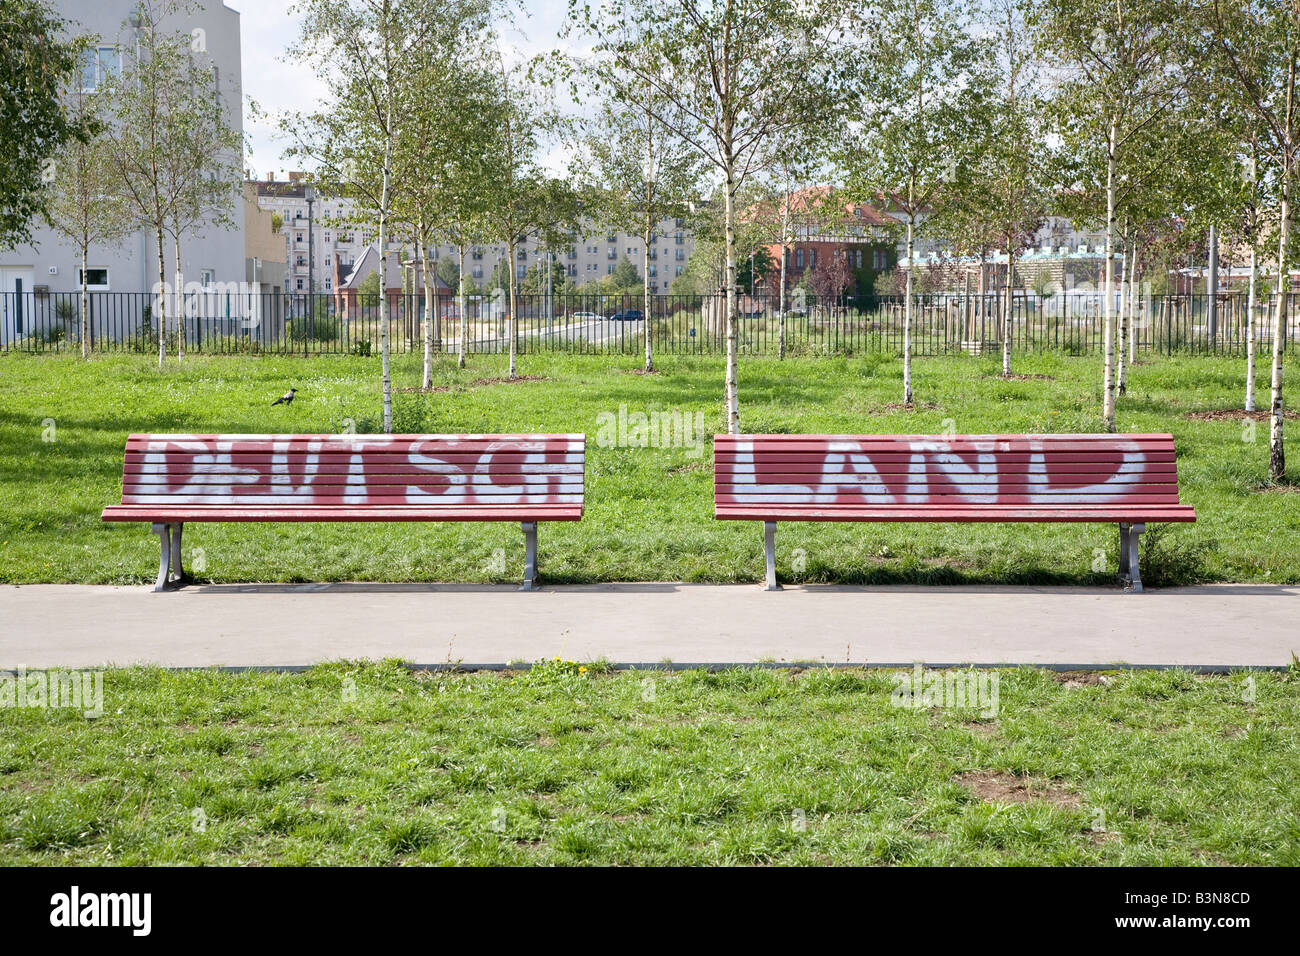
324, 328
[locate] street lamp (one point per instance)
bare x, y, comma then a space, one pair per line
310, 194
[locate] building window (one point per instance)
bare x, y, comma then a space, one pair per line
859, 258
679, 270
798, 258
98, 66
681, 255
573, 270
329, 283
521, 271
300, 285
812, 258
207, 277
679, 238
478, 271
95, 278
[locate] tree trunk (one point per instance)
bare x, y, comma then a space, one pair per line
512, 325
1108, 311
907, 301
733, 306
785, 235
386, 369
1006, 313
161, 300
429, 296
1134, 288
1121, 366
85, 304
649, 304
1251, 305
1276, 451
180, 301
464, 312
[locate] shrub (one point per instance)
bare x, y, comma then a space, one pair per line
324, 328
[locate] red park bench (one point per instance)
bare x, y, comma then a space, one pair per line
169, 480
1127, 479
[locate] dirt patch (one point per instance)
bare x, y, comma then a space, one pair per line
985, 728
1237, 415
1282, 489
518, 380
477, 383
693, 466
903, 407
993, 787
640, 371
1013, 377
1080, 678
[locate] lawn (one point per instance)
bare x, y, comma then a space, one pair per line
63, 425
374, 764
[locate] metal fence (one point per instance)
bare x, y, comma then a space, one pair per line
265, 323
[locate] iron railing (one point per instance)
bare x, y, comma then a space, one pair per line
235, 322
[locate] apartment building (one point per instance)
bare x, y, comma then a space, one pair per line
337, 243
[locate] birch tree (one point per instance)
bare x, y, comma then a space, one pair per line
439, 149
920, 72
84, 207
202, 153
1256, 55
365, 53
1118, 78
1000, 185
145, 104
520, 198
639, 174
730, 78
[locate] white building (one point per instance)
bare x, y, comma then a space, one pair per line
49, 265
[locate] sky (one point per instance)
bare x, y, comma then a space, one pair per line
276, 85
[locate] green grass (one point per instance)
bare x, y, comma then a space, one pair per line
649, 511
373, 764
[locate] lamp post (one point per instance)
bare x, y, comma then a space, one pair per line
310, 194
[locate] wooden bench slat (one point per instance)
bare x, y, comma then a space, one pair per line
323, 514
986, 513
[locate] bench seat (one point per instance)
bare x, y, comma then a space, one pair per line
1130, 480
170, 480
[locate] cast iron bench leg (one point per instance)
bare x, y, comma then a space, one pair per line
769, 555
1135, 576
164, 533
178, 572
530, 556
1123, 552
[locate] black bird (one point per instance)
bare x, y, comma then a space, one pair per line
286, 398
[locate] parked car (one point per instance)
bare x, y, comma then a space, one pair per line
628, 315
587, 317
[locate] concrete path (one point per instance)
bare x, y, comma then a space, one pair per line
295, 625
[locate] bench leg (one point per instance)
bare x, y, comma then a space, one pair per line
178, 572
769, 555
530, 556
164, 533
1123, 552
1135, 576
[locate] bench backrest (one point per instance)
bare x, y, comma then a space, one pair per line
883, 470
354, 471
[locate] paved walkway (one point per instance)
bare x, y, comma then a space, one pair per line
295, 625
